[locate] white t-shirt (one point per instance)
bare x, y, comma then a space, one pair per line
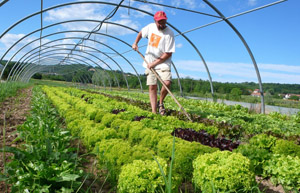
159, 42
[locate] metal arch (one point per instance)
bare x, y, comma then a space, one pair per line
80, 51
248, 49
83, 2
23, 68
90, 40
39, 69
95, 29
48, 66
73, 59
65, 62
98, 43
47, 48
82, 79
56, 6
32, 64
76, 50
64, 53
48, 43
73, 31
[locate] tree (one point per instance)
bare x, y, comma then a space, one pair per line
236, 93
37, 76
294, 98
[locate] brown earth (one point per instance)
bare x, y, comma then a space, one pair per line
13, 112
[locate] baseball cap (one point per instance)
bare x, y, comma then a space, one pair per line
160, 15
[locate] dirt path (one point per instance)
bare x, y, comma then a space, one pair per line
14, 111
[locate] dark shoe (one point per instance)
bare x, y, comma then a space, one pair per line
161, 109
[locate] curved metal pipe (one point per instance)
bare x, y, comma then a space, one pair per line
24, 77
27, 78
248, 49
48, 52
67, 32
81, 20
83, 2
45, 57
64, 54
80, 51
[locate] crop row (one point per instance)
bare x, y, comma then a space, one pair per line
10, 89
44, 161
126, 147
274, 123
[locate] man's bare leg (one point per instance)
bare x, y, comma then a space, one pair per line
164, 92
153, 97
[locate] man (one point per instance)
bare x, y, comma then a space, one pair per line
161, 45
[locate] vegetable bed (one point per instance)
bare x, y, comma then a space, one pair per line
123, 136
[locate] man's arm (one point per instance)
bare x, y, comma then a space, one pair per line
160, 60
138, 38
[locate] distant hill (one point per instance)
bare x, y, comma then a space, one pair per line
189, 85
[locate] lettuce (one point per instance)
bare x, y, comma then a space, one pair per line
223, 171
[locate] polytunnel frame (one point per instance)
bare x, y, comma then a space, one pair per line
61, 44
119, 5
32, 62
82, 79
80, 38
64, 49
71, 59
41, 68
98, 33
75, 58
60, 39
124, 6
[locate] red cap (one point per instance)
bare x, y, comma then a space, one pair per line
160, 15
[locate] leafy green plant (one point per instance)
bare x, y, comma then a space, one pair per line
286, 147
45, 162
114, 153
228, 172
284, 170
142, 176
256, 155
9, 89
263, 141
185, 152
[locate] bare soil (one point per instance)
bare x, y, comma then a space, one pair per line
13, 112
97, 178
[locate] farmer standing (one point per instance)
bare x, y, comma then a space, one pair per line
161, 45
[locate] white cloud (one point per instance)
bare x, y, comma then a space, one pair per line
88, 11
9, 39
91, 11
240, 72
188, 3
252, 2
179, 45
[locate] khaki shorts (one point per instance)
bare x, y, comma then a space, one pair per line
165, 74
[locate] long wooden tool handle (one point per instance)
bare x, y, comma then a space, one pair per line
162, 82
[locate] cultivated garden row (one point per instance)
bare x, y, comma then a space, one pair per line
280, 125
130, 142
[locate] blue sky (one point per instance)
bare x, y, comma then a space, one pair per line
272, 34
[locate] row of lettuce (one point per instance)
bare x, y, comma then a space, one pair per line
127, 148
43, 160
252, 123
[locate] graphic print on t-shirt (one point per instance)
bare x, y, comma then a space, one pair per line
154, 40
